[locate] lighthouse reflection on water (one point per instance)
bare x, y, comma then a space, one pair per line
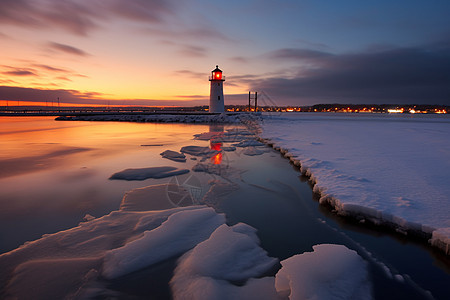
215, 142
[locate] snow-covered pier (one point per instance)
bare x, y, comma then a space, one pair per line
73, 112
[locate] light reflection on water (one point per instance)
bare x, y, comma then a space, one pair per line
53, 173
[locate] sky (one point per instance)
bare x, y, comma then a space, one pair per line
161, 52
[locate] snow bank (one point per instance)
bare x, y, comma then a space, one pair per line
329, 272
173, 155
145, 173
390, 170
441, 239
231, 254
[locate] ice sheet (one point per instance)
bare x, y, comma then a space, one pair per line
329, 272
173, 155
145, 173
385, 169
181, 232
67, 260
230, 254
199, 151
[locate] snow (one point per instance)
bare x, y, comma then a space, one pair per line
329, 272
199, 151
248, 143
253, 151
181, 232
231, 254
166, 117
145, 173
386, 169
173, 155
228, 148
441, 239
229, 136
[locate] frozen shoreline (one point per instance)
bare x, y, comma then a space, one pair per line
347, 176
333, 174
203, 250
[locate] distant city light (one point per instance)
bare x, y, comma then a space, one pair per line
395, 111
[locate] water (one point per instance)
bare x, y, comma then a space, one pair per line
53, 173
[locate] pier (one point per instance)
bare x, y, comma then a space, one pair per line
73, 112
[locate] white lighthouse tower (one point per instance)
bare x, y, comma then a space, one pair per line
216, 101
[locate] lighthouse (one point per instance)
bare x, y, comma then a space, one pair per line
216, 103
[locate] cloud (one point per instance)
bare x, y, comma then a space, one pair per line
43, 74
298, 54
191, 74
12, 93
67, 49
41, 95
4, 36
20, 73
193, 51
230, 99
146, 11
184, 32
80, 17
52, 69
17, 71
73, 16
240, 59
313, 44
419, 75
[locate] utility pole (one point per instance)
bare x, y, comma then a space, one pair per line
256, 101
249, 97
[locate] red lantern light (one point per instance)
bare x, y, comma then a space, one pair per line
216, 74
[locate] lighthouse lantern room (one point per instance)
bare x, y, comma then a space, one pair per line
216, 101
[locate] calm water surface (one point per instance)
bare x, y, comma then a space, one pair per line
54, 173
